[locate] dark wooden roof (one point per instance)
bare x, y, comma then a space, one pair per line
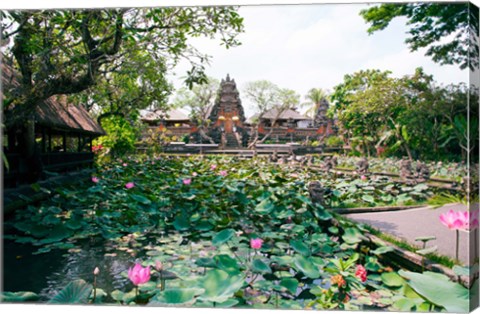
54, 112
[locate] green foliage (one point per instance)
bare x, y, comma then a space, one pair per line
407, 116
444, 28
334, 141
439, 290
75, 292
122, 47
201, 233
121, 135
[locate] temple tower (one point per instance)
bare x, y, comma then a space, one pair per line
227, 112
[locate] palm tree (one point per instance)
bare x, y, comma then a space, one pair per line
314, 97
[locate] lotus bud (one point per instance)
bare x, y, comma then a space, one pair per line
96, 271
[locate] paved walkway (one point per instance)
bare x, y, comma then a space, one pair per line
412, 223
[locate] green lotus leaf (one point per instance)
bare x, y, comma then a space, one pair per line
439, 290
258, 266
75, 292
382, 250
392, 279
264, 207
305, 266
219, 285
291, 284
352, 236
300, 247
21, 296
404, 305
222, 237
176, 297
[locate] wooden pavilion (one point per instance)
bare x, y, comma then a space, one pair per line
56, 137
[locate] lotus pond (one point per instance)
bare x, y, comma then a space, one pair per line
214, 232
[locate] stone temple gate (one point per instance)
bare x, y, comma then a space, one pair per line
228, 115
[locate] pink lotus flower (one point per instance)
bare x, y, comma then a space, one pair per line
129, 185
138, 274
194, 174
454, 220
256, 244
187, 181
361, 273
363, 178
95, 179
223, 173
125, 164
213, 167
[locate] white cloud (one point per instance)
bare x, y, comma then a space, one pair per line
305, 46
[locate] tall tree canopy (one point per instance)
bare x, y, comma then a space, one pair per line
448, 30
314, 99
267, 96
409, 115
69, 51
198, 99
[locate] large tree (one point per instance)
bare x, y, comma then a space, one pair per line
266, 96
448, 30
314, 99
69, 51
410, 114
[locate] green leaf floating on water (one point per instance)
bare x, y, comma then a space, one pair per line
141, 199
181, 223
219, 285
300, 247
75, 292
404, 305
290, 283
439, 290
223, 236
259, 266
306, 267
392, 279
21, 296
176, 297
382, 250
352, 236
264, 207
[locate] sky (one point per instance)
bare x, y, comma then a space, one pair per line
305, 46
299, 46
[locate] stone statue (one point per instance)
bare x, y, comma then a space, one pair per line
329, 163
406, 169
273, 157
317, 192
422, 172
362, 166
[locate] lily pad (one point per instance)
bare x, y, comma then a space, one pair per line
176, 297
300, 247
219, 285
439, 290
258, 266
306, 267
21, 296
75, 292
223, 236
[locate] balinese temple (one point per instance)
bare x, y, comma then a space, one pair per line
229, 127
227, 114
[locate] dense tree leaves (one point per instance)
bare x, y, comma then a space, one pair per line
66, 52
411, 115
448, 30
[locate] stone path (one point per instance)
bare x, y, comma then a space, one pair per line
412, 223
